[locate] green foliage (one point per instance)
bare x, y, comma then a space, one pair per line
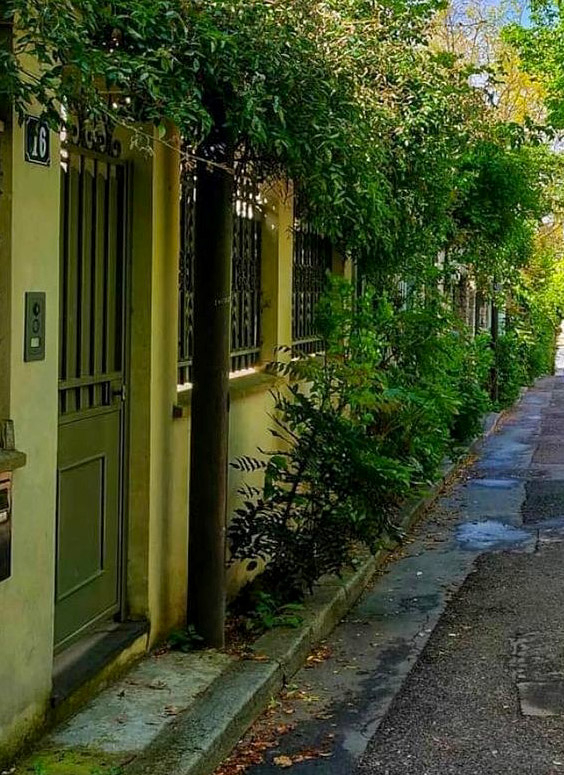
502, 195
265, 612
185, 640
349, 98
475, 360
510, 368
541, 48
400, 384
292, 84
357, 429
526, 349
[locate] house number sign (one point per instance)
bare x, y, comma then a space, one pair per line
37, 141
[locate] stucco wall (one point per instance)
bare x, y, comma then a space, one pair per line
5, 258
27, 598
251, 401
157, 523
157, 459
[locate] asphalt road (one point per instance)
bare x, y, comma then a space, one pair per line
453, 660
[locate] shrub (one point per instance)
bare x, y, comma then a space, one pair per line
472, 385
358, 428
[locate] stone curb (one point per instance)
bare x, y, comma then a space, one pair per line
197, 741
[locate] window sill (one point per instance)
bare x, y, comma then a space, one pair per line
239, 387
11, 459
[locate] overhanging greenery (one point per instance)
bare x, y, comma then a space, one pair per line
347, 97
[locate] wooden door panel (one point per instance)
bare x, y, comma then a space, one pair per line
88, 525
81, 542
91, 391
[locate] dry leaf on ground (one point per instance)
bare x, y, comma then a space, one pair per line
282, 761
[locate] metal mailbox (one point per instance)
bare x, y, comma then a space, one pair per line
5, 525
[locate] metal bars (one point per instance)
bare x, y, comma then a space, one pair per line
246, 276
93, 218
312, 260
186, 275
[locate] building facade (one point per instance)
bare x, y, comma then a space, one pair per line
95, 382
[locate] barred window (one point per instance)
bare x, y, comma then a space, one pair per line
186, 274
312, 261
246, 275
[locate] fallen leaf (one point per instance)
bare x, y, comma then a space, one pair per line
157, 684
318, 656
282, 761
252, 657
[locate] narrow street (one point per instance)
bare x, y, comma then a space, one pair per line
453, 661
271, 272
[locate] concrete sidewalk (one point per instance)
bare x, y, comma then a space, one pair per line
453, 662
181, 713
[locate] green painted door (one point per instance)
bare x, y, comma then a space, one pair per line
92, 371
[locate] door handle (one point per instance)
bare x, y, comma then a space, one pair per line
120, 392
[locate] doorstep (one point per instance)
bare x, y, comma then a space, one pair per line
128, 717
92, 662
181, 714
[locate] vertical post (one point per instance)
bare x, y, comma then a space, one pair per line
477, 311
210, 402
277, 245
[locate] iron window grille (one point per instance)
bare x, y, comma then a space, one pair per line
246, 275
313, 256
186, 273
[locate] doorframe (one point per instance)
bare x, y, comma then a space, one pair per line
126, 435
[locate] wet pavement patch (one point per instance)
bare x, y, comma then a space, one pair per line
499, 499
422, 603
544, 500
495, 484
489, 535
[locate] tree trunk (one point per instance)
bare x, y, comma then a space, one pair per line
210, 402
